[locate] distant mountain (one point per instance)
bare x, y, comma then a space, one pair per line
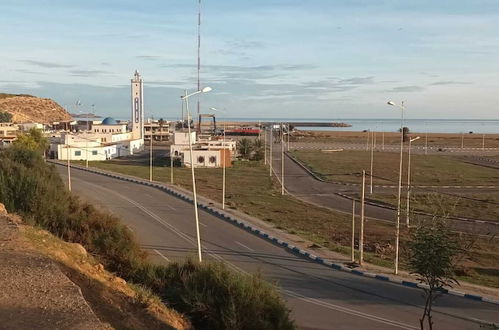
27, 108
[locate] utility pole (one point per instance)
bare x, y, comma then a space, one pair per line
171, 166
362, 200
265, 146
223, 173
462, 141
353, 230
150, 152
409, 180
372, 164
270, 149
483, 141
289, 133
282, 159
367, 141
69, 166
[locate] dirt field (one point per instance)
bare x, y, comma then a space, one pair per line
434, 139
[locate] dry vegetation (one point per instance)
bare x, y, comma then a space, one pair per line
25, 108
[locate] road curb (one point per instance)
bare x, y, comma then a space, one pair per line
274, 240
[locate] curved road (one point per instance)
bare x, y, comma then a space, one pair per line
320, 297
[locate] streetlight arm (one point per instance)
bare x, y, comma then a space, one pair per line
183, 97
204, 90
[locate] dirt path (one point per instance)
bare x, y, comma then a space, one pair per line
34, 293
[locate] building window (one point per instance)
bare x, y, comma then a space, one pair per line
213, 159
176, 152
77, 153
94, 152
200, 159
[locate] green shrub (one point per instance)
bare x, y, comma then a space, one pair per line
217, 298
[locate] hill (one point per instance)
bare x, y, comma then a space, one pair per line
27, 108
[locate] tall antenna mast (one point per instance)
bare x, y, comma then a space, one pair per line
199, 48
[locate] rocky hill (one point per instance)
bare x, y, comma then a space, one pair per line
27, 108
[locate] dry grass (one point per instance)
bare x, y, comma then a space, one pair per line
445, 140
115, 302
346, 166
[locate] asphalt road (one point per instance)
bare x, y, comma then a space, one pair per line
320, 297
300, 183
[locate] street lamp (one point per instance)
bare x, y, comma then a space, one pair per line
409, 179
397, 225
223, 164
282, 159
186, 99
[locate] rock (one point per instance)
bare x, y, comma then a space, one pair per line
3, 210
119, 280
99, 268
81, 250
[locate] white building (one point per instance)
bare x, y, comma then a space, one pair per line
206, 152
108, 139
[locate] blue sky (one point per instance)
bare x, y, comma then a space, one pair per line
263, 59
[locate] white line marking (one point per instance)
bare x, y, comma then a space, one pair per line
350, 311
202, 224
161, 255
244, 246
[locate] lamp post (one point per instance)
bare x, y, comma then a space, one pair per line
282, 159
372, 164
397, 225
265, 146
409, 179
361, 235
150, 151
186, 99
270, 149
289, 133
223, 164
69, 165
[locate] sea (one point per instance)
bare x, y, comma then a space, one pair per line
484, 126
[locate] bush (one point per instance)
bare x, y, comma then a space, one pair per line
5, 117
217, 298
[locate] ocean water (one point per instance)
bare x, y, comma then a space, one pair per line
486, 126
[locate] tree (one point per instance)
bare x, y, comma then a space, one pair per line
433, 253
5, 117
257, 150
33, 140
245, 148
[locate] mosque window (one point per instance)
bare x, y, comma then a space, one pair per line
200, 159
94, 152
77, 153
213, 159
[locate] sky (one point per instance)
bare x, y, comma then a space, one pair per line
327, 59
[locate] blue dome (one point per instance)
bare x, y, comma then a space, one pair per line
109, 121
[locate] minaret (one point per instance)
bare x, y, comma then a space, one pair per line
137, 107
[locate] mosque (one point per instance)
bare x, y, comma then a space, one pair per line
108, 139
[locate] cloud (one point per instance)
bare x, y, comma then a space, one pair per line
406, 89
49, 65
148, 57
89, 73
450, 82
357, 81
